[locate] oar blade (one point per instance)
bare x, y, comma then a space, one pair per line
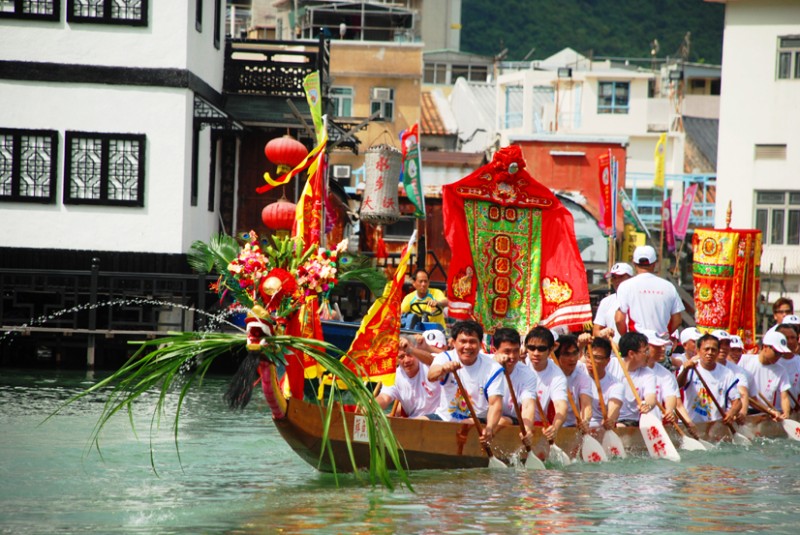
613, 445
792, 429
592, 451
558, 456
496, 463
707, 445
691, 444
659, 445
532, 462
741, 440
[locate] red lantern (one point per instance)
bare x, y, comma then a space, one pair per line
285, 152
279, 215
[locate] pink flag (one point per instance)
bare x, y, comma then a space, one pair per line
606, 194
669, 235
684, 213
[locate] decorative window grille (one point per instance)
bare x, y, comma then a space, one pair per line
31, 9
126, 12
105, 169
28, 165
612, 97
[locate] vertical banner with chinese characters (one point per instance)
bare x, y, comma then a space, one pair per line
606, 194
412, 169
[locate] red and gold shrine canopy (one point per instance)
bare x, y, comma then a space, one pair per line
514, 254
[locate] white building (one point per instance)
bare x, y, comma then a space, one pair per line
759, 139
103, 138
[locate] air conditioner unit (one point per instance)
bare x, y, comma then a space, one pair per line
341, 171
381, 93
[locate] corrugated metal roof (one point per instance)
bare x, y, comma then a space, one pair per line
704, 134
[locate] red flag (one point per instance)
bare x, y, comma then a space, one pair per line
669, 235
606, 194
684, 213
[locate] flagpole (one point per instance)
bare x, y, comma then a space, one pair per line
661, 239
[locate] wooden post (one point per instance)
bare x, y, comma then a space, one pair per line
92, 313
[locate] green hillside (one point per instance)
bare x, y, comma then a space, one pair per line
623, 28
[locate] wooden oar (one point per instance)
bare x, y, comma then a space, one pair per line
612, 444
494, 462
687, 442
395, 406
738, 438
658, 443
791, 427
591, 450
556, 454
532, 462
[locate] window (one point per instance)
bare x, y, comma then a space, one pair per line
217, 22
106, 169
198, 15
778, 217
342, 101
789, 57
127, 12
435, 73
382, 101
31, 9
612, 97
28, 165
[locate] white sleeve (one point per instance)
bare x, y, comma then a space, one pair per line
558, 388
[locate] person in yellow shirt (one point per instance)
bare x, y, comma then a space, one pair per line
431, 302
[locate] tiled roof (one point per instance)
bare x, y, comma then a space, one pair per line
432, 123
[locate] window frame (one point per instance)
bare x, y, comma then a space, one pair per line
18, 134
614, 108
774, 218
382, 104
106, 139
789, 49
20, 14
107, 18
336, 100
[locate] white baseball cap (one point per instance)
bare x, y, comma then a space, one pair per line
721, 335
645, 255
620, 268
690, 334
736, 342
791, 319
655, 339
435, 338
776, 341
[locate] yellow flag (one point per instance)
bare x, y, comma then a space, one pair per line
311, 85
661, 147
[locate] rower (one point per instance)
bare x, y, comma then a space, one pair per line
634, 350
744, 377
688, 338
506, 344
579, 384
769, 378
667, 391
417, 395
481, 376
611, 388
782, 307
720, 380
791, 361
552, 384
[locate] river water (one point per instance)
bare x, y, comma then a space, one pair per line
236, 475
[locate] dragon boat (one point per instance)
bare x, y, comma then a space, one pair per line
427, 444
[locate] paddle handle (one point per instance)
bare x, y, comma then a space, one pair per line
663, 410
517, 409
395, 406
471, 410
627, 375
714, 399
596, 377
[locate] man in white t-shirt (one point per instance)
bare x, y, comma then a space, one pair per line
769, 379
667, 392
647, 301
552, 384
481, 376
579, 384
634, 350
791, 361
688, 338
417, 395
605, 318
611, 389
722, 382
506, 344
744, 377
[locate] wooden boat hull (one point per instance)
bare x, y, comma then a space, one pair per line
447, 445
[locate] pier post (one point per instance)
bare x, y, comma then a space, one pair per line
92, 313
